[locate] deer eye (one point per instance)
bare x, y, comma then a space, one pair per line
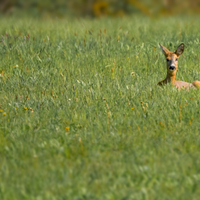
176, 59
167, 60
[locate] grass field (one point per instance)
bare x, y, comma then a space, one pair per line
82, 117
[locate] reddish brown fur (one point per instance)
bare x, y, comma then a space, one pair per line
171, 75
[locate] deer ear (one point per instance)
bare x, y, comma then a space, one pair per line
180, 49
164, 50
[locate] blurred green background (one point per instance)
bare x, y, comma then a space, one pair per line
98, 8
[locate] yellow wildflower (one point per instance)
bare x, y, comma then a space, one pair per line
100, 8
4, 114
25, 108
1, 110
67, 128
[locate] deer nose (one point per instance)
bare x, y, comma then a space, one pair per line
172, 67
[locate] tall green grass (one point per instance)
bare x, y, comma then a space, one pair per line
82, 117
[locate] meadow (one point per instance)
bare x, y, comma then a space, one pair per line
82, 117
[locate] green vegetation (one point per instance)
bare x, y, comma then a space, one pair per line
97, 8
82, 117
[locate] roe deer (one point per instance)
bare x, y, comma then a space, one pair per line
172, 67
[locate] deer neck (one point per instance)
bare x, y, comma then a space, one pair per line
170, 79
